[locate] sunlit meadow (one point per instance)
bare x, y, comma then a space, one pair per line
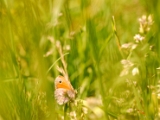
110, 50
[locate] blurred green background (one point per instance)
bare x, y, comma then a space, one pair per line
115, 76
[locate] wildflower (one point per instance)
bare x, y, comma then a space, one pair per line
138, 38
67, 47
130, 110
73, 115
135, 71
143, 20
126, 63
129, 46
145, 23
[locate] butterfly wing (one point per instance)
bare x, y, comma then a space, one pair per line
61, 96
64, 91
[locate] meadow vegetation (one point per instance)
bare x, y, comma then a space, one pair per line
111, 50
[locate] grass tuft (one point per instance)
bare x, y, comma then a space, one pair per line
109, 50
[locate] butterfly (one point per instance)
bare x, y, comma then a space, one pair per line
64, 92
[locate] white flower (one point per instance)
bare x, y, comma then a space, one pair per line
126, 63
143, 20
126, 45
135, 71
130, 110
67, 47
73, 115
138, 38
145, 23
129, 46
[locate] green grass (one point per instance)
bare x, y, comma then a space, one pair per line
112, 82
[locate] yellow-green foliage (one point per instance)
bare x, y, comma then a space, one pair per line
111, 50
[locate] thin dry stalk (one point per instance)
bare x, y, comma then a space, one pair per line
63, 69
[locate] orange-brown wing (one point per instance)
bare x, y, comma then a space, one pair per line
61, 82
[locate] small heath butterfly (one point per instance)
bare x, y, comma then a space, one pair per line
64, 92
